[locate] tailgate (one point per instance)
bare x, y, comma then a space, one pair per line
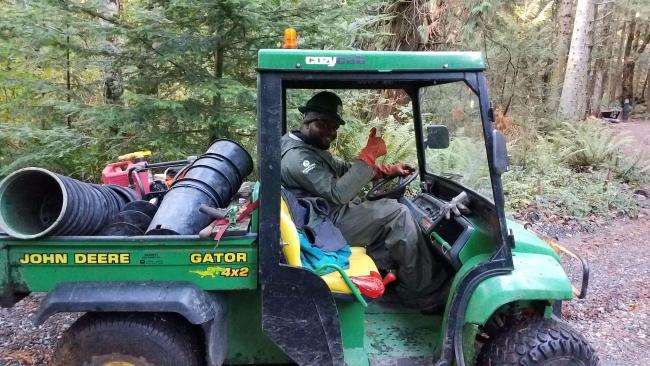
40, 265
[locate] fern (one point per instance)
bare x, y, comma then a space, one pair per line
586, 145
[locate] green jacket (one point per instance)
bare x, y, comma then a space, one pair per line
311, 172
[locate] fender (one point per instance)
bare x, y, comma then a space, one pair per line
535, 277
185, 298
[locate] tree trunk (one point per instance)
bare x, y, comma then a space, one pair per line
565, 9
617, 69
647, 91
627, 91
218, 130
113, 87
218, 57
609, 55
68, 84
640, 82
597, 93
594, 36
602, 54
573, 100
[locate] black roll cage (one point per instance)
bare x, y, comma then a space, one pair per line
306, 292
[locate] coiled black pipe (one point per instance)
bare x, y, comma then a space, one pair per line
36, 202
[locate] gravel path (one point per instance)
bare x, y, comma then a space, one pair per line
615, 316
22, 343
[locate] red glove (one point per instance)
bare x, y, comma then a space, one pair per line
392, 170
375, 148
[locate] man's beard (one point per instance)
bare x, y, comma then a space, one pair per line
315, 142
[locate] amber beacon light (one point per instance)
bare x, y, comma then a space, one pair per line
290, 38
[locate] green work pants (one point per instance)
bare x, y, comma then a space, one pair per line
393, 240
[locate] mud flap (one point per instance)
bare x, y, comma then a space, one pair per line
300, 316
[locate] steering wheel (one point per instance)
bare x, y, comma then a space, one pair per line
376, 192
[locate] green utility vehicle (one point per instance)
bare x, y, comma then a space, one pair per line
246, 299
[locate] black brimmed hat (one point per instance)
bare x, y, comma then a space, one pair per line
327, 105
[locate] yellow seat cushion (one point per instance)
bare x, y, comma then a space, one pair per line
360, 263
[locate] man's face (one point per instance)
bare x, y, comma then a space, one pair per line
321, 132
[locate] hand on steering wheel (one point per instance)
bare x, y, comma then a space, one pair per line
376, 192
392, 170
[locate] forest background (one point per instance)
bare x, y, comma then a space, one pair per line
84, 81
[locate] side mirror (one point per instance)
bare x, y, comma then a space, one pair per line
437, 137
499, 152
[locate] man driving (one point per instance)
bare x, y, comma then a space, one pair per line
385, 227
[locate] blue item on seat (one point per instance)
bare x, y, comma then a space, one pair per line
310, 215
313, 257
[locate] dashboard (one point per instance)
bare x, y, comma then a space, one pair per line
446, 236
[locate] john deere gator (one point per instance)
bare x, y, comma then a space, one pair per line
246, 299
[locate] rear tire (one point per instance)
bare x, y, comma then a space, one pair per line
537, 342
100, 339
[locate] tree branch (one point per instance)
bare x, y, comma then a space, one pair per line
126, 26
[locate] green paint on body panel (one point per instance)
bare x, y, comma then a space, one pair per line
352, 321
247, 344
130, 241
356, 357
480, 242
527, 242
6, 287
535, 277
380, 61
351, 315
470, 331
43, 265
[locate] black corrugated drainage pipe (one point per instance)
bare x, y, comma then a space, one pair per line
212, 179
36, 202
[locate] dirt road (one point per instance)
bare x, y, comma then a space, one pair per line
615, 317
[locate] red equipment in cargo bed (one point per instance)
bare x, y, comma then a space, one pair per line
118, 173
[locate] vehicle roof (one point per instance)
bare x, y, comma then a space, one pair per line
379, 61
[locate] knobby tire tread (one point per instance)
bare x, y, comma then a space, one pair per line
167, 333
536, 343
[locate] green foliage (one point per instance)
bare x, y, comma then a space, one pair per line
560, 190
632, 169
59, 149
170, 76
361, 116
577, 170
587, 145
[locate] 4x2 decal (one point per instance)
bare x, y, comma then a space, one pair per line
214, 271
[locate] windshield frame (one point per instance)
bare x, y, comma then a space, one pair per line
478, 85
411, 82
